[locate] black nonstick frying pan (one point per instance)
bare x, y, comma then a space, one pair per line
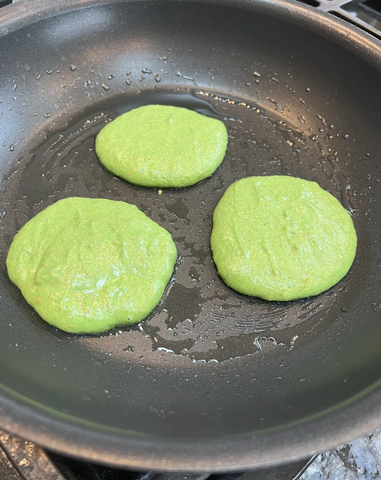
212, 380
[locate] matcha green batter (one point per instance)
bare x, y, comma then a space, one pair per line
86, 265
162, 146
281, 238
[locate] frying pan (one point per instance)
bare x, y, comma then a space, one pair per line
212, 380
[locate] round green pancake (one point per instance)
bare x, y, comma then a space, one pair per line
162, 146
86, 265
281, 238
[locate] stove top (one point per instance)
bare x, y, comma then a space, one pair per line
358, 460
23, 460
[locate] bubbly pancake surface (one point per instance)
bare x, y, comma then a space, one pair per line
281, 238
86, 265
162, 146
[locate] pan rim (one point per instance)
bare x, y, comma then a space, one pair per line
15, 16
56, 434
63, 437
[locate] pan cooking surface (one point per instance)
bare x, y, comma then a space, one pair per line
208, 363
199, 318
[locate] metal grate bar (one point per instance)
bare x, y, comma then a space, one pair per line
366, 14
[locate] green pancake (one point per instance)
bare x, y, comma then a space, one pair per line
162, 146
281, 238
86, 265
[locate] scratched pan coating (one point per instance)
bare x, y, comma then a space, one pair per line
211, 380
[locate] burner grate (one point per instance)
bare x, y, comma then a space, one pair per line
23, 460
366, 14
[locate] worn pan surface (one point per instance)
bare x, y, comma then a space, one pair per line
212, 380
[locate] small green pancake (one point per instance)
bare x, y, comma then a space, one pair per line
86, 265
162, 146
281, 238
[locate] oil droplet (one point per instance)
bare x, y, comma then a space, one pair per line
274, 102
167, 350
302, 119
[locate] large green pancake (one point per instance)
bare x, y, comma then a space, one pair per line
162, 146
86, 265
281, 238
